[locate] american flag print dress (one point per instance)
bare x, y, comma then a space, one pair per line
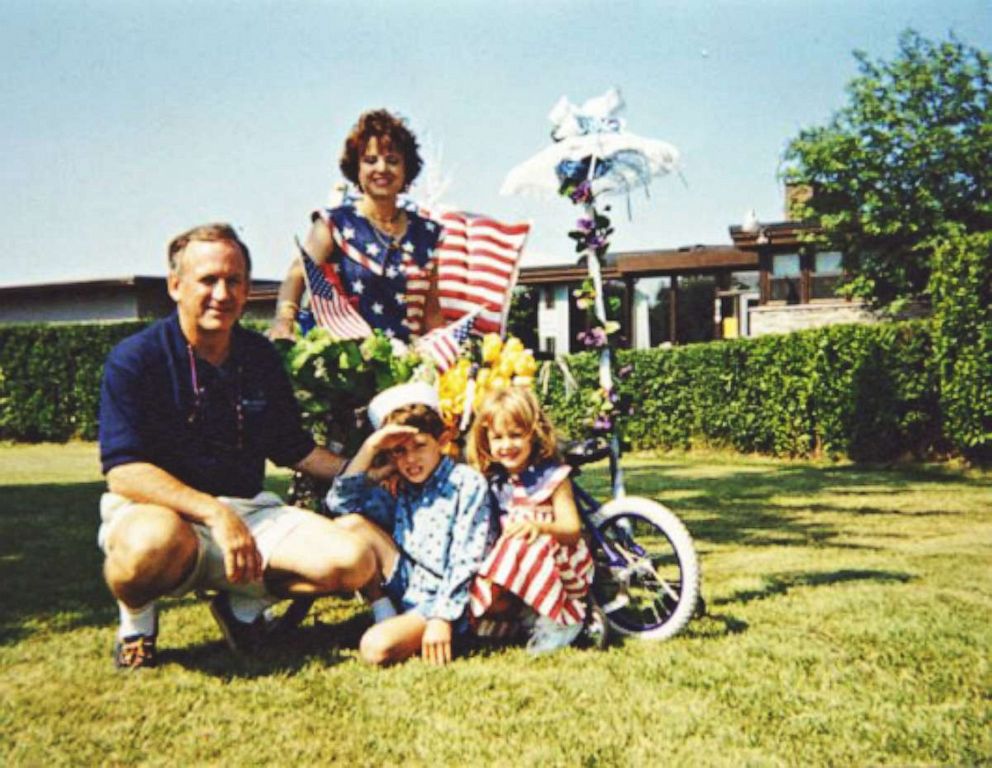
385, 279
550, 578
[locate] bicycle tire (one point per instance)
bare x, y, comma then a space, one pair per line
654, 595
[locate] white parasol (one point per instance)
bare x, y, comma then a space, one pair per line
592, 137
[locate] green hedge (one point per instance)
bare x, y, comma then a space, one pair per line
50, 377
864, 391
868, 392
962, 302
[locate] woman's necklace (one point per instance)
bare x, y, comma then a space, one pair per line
387, 231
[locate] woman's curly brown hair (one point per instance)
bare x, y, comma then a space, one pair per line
381, 124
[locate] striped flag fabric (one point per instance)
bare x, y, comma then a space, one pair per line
330, 309
443, 345
477, 267
551, 578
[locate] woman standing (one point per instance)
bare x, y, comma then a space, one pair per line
375, 253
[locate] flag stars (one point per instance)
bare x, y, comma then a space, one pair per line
400, 298
408, 247
392, 271
377, 308
349, 233
358, 287
373, 249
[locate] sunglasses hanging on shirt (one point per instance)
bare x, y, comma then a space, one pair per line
197, 415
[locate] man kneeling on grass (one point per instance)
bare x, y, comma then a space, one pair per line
190, 409
429, 537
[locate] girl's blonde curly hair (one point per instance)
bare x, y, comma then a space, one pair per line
517, 406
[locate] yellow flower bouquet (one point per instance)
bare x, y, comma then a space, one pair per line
490, 366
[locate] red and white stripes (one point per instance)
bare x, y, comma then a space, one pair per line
477, 266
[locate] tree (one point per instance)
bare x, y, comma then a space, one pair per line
908, 160
522, 318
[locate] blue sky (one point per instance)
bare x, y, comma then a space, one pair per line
124, 123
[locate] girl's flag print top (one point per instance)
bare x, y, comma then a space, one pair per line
551, 578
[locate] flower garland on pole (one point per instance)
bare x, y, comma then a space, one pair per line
592, 241
592, 155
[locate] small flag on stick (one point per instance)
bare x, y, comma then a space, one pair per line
444, 344
330, 309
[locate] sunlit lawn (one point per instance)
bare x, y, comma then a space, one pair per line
849, 624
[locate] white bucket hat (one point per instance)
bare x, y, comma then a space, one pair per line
412, 393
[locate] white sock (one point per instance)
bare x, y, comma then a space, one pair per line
382, 609
246, 608
137, 621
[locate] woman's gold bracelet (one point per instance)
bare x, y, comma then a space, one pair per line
286, 310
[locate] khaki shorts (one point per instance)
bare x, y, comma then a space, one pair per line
269, 520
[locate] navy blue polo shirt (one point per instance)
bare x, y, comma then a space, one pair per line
217, 442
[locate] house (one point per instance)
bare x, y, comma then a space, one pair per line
768, 281
127, 298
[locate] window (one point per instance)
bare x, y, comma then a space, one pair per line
785, 278
744, 281
827, 273
695, 308
652, 311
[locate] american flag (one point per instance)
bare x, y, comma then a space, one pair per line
330, 309
477, 267
444, 344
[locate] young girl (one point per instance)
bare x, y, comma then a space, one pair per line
540, 570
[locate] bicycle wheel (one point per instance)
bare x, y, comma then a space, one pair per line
647, 574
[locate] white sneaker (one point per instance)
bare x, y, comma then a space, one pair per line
551, 636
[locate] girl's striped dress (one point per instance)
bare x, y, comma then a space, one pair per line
550, 578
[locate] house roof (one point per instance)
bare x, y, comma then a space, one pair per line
692, 258
259, 288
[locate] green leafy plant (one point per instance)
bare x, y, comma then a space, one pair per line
334, 380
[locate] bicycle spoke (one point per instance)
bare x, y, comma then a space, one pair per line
640, 579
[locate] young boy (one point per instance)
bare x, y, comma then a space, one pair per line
429, 538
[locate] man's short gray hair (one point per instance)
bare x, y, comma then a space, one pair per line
219, 232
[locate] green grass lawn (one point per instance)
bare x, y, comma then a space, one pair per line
850, 622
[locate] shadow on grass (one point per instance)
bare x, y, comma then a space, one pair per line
285, 654
712, 625
781, 584
50, 565
777, 504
